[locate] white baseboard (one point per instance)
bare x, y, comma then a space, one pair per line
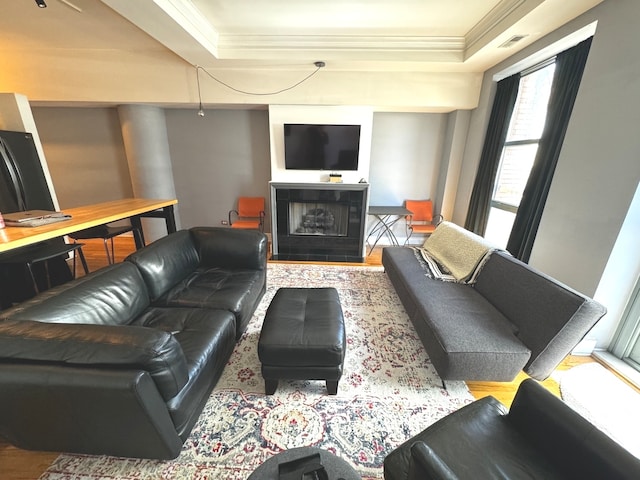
624, 369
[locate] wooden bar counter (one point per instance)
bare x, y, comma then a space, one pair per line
90, 216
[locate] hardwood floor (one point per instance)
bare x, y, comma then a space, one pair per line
17, 464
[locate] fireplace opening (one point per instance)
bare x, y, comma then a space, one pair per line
317, 218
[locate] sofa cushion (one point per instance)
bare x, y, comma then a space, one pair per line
230, 248
573, 444
166, 261
113, 295
207, 338
466, 337
236, 291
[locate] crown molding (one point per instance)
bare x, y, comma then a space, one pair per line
184, 29
185, 14
492, 19
385, 47
248, 46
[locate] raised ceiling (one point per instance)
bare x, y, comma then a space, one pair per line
117, 51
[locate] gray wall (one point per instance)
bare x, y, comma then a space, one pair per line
85, 154
223, 155
406, 150
406, 154
599, 166
217, 158
601, 158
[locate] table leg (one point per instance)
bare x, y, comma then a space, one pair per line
170, 219
138, 234
166, 212
383, 227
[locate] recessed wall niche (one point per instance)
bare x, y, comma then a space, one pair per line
331, 115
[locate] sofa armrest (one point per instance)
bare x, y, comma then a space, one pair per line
569, 440
98, 411
460, 430
425, 464
231, 248
154, 351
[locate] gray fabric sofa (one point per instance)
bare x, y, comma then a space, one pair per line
539, 437
122, 361
505, 318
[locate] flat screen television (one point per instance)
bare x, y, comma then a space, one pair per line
321, 147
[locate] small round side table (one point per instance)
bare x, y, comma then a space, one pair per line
337, 468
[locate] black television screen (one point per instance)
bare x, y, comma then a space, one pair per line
321, 147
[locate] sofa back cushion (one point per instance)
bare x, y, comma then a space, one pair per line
166, 261
230, 248
575, 446
550, 317
113, 295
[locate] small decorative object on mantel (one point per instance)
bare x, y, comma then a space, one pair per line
335, 177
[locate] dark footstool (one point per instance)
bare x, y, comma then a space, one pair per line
303, 338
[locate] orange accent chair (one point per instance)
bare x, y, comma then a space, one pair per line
422, 220
249, 215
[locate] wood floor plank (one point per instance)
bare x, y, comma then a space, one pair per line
17, 464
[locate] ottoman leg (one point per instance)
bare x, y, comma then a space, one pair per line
270, 386
332, 387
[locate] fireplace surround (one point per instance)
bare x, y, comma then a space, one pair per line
319, 221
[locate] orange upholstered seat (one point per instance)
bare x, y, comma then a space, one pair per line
249, 215
422, 220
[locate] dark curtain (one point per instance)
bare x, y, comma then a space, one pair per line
480, 203
568, 73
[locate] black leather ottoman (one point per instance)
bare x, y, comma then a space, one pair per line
303, 337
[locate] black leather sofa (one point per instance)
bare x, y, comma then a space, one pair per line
122, 361
540, 437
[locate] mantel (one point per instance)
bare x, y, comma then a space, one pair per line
321, 185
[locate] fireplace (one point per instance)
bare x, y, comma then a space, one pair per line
318, 221
318, 218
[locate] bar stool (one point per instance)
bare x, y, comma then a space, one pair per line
107, 233
43, 252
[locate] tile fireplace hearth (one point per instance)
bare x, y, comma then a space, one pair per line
323, 222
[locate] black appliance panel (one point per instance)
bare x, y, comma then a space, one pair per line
23, 185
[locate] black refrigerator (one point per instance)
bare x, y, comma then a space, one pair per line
22, 182
23, 186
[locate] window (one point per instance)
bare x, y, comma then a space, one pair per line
519, 150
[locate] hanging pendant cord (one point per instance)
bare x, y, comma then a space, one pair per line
318, 66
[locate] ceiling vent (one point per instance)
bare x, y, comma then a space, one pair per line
512, 41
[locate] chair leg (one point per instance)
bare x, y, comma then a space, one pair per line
47, 274
83, 261
106, 249
33, 278
113, 252
138, 237
409, 233
73, 276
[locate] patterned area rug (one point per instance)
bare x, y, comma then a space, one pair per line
389, 391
